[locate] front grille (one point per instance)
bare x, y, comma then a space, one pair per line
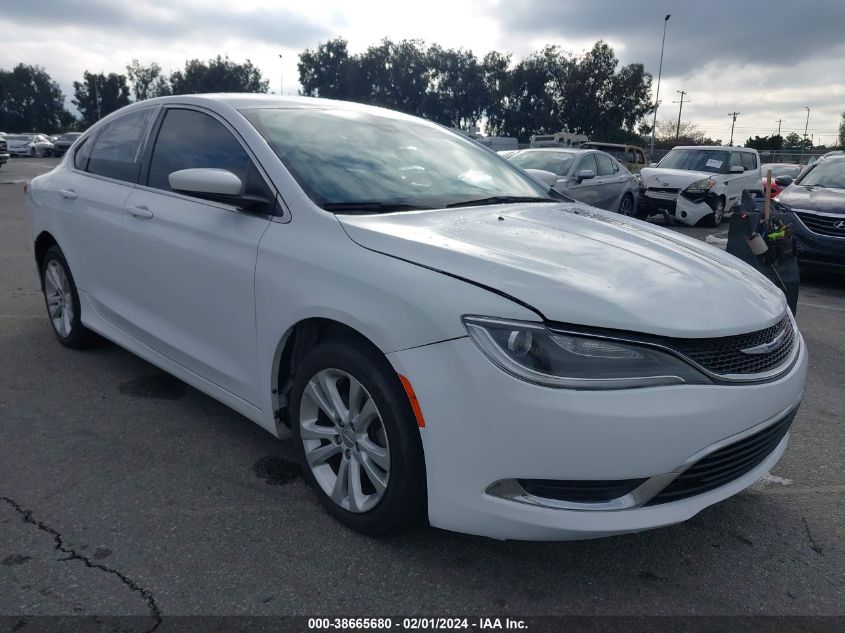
580, 491
726, 464
823, 224
664, 189
724, 355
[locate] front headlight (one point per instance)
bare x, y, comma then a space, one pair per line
701, 186
533, 353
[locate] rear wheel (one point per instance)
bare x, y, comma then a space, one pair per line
62, 300
356, 438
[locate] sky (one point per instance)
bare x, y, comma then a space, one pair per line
767, 60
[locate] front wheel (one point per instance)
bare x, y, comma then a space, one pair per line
626, 206
356, 438
715, 218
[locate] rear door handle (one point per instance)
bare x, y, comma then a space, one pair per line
142, 213
69, 194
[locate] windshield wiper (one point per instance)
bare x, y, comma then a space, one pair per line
499, 200
370, 206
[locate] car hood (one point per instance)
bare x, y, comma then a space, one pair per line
580, 265
677, 178
824, 199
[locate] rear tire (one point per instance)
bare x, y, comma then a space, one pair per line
356, 438
62, 299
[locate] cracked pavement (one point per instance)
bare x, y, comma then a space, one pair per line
127, 492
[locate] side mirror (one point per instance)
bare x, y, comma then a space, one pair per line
652, 164
783, 181
544, 176
737, 169
219, 185
586, 174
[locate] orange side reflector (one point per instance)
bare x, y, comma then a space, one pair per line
415, 404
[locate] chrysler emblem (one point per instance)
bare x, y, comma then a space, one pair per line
765, 348
839, 225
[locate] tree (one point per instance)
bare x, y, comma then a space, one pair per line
147, 81
842, 132
773, 142
690, 134
456, 94
99, 94
217, 75
325, 71
794, 142
30, 101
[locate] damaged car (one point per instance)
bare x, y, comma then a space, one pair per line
693, 184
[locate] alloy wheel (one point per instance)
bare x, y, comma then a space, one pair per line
627, 205
59, 296
345, 441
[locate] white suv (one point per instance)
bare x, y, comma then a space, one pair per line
695, 183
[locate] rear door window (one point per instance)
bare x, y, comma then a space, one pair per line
117, 150
749, 161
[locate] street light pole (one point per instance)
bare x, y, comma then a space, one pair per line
806, 125
281, 76
659, 74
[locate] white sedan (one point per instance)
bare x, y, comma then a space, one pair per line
439, 334
28, 145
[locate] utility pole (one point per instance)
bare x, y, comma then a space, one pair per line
281, 76
659, 73
680, 109
734, 115
779, 121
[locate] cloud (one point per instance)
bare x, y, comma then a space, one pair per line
170, 22
698, 33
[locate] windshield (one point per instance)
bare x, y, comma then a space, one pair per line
713, 161
72, 136
781, 170
19, 137
827, 173
555, 162
349, 160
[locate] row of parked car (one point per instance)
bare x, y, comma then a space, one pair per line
698, 185
35, 144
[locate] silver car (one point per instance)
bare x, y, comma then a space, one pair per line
589, 176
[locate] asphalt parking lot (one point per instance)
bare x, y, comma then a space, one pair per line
124, 491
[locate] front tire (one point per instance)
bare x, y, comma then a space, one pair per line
356, 438
62, 301
626, 205
715, 219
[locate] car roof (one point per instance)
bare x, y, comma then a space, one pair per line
551, 150
719, 147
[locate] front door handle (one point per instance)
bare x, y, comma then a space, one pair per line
142, 212
69, 194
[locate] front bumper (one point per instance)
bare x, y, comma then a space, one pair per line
679, 206
484, 427
23, 151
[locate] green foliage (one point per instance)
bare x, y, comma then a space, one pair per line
773, 142
217, 75
794, 141
30, 101
147, 81
842, 132
98, 95
546, 92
